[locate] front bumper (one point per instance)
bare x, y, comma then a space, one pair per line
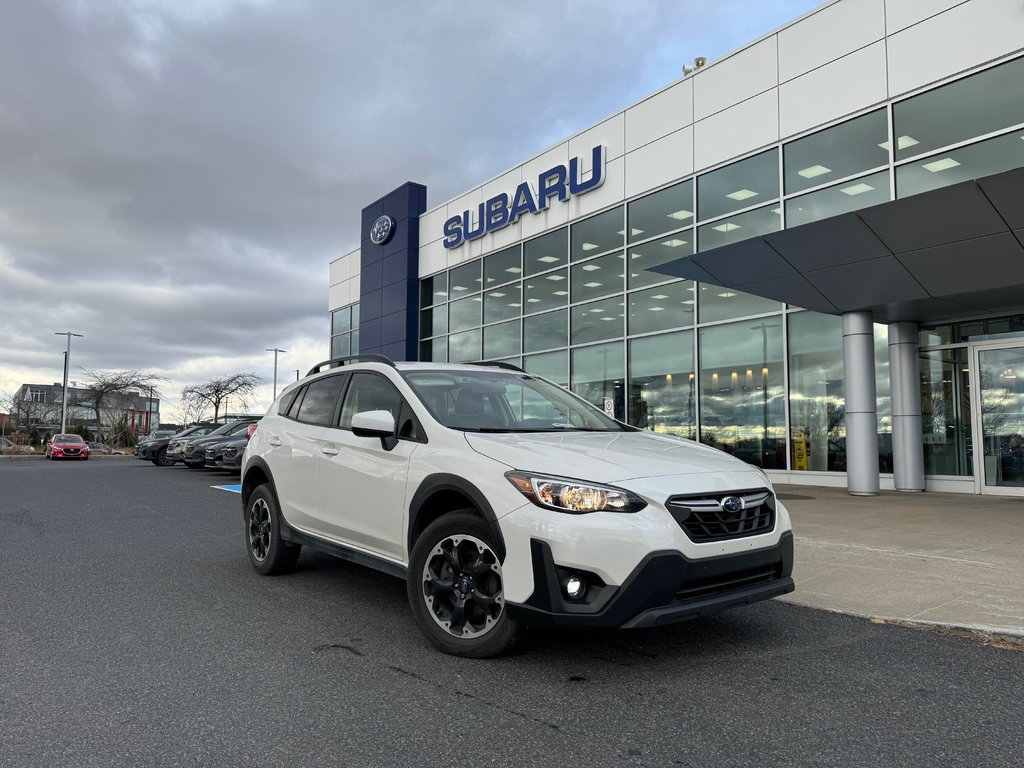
666, 587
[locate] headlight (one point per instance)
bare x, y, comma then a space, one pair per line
573, 496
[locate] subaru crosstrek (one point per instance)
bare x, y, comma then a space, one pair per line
504, 500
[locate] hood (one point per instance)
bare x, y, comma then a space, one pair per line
606, 457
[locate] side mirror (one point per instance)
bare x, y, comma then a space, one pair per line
376, 424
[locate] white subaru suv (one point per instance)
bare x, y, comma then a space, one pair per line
504, 500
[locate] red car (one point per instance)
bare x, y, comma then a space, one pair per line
67, 447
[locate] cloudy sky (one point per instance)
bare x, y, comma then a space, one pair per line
176, 175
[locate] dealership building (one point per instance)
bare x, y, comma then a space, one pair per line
808, 253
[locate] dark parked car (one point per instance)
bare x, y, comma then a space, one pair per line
228, 455
194, 451
156, 448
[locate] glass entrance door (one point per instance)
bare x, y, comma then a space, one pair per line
999, 418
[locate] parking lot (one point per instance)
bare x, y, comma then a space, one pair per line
134, 632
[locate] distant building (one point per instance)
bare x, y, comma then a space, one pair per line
38, 407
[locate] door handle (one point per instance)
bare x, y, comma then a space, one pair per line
329, 450
274, 441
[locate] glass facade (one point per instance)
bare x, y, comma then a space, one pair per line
585, 306
345, 331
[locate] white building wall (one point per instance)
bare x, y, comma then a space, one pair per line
840, 59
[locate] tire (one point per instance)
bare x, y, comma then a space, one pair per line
268, 552
161, 459
85, 458
455, 588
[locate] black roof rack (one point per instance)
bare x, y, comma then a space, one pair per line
498, 364
337, 362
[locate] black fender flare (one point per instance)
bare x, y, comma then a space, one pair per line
259, 462
440, 482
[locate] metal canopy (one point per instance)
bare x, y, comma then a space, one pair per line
947, 254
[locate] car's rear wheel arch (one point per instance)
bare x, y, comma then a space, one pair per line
441, 494
257, 474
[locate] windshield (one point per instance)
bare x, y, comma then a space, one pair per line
67, 439
492, 401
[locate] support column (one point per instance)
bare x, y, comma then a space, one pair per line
861, 418
904, 376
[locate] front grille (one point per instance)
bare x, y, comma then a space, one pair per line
71, 451
694, 588
703, 518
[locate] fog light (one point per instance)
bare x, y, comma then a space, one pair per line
575, 587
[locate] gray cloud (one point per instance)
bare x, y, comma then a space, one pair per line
175, 176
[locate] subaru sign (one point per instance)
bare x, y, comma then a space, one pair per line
501, 210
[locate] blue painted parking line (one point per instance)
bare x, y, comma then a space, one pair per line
228, 488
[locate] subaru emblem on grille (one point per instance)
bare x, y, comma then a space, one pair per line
732, 504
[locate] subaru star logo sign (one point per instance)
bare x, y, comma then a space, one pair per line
732, 504
382, 230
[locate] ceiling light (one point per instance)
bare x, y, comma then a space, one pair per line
814, 170
655, 309
513, 270
610, 317
440, 293
635, 255
497, 294
590, 267
742, 194
548, 259
901, 143
591, 246
857, 189
592, 285
556, 278
459, 288
560, 293
532, 301
515, 305
675, 242
941, 165
634, 231
688, 301
596, 310
681, 215
727, 294
726, 227
660, 296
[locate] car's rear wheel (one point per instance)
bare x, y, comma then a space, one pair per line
456, 590
161, 459
268, 552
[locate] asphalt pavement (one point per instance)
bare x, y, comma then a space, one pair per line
133, 632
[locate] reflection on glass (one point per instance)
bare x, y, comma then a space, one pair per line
648, 255
597, 321
502, 266
545, 252
597, 277
661, 212
883, 398
657, 309
842, 198
464, 347
355, 317
935, 335
551, 365
340, 345
465, 279
816, 395
946, 412
1001, 374
662, 389
435, 350
546, 291
341, 320
503, 303
718, 303
741, 388
597, 234
973, 106
434, 322
464, 313
597, 376
741, 227
971, 162
837, 152
434, 289
545, 331
355, 343
740, 185
501, 340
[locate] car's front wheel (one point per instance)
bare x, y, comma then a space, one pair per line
268, 552
456, 590
161, 459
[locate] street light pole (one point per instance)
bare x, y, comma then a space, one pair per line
67, 361
296, 374
275, 350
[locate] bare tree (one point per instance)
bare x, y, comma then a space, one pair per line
112, 392
191, 410
215, 391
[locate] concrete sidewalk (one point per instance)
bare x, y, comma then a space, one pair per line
929, 558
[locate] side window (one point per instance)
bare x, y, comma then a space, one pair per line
287, 401
318, 405
293, 409
370, 392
